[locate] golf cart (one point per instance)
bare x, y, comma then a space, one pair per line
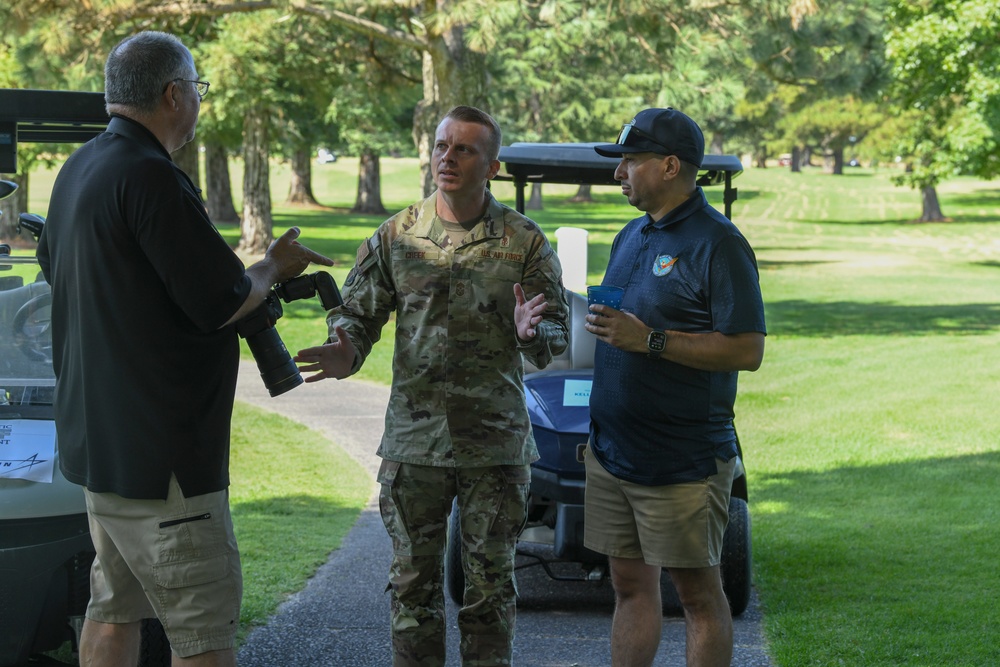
45, 546
558, 403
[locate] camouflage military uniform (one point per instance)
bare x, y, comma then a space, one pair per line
456, 425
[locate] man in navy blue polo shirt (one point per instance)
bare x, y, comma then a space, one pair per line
662, 448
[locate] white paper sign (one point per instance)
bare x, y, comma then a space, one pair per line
577, 392
27, 450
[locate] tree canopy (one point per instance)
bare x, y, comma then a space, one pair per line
946, 84
913, 78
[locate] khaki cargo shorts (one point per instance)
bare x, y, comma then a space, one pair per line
176, 560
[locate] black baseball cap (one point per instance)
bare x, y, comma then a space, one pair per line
662, 131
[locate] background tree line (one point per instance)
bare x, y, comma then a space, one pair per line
820, 79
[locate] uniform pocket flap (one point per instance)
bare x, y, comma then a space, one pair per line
517, 474
387, 472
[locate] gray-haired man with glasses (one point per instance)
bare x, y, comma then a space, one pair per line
145, 294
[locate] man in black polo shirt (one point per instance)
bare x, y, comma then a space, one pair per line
662, 447
145, 294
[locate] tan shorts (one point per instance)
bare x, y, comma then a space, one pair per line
176, 560
677, 525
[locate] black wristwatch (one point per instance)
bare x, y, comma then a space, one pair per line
655, 342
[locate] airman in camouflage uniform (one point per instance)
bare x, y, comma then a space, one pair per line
457, 425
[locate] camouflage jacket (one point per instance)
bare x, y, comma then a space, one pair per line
457, 397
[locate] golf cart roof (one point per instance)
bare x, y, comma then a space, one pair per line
525, 163
47, 116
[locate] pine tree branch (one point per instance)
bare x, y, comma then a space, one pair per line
191, 8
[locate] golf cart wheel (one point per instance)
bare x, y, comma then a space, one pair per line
31, 328
154, 650
736, 556
454, 575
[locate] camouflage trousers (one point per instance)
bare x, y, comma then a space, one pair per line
415, 502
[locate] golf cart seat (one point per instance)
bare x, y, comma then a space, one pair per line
580, 351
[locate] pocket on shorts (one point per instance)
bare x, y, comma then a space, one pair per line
192, 533
181, 574
192, 550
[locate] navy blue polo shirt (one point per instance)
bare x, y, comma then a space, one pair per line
654, 421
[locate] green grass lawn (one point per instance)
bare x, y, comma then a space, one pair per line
871, 431
294, 496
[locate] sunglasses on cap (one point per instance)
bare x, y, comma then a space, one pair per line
638, 138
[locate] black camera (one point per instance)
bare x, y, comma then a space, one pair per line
33, 223
276, 367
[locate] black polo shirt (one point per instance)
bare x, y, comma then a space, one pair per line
141, 282
654, 421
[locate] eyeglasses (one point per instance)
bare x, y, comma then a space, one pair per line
630, 130
200, 86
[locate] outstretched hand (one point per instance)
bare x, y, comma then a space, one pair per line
527, 314
330, 360
290, 257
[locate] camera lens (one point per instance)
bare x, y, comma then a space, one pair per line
276, 367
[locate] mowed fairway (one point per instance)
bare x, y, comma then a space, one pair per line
871, 431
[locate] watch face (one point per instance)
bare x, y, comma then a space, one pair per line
656, 340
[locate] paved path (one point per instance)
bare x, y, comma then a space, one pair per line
341, 617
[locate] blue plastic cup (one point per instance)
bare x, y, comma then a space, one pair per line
607, 295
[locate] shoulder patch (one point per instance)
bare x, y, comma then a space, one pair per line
364, 260
363, 251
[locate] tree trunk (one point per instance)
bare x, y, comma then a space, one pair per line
760, 158
300, 188
186, 157
716, 146
256, 229
13, 206
836, 160
582, 194
425, 120
796, 163
806, 156
220, 191
369, 198
931, 205
534, 202
453, 74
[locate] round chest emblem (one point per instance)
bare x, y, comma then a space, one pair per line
663, 265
